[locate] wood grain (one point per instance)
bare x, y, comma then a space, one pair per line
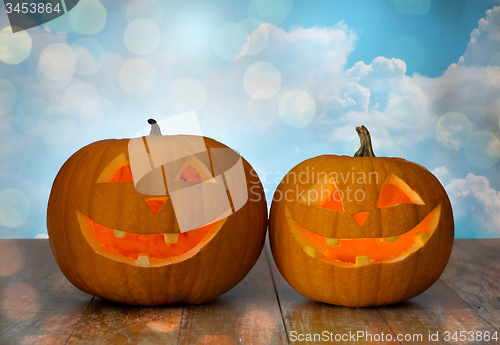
434, 312
473, 273
39, 306
37, 303
247, 314
307, 319
112, 323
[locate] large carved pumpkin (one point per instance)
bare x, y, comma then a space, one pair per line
156, 219
360, 231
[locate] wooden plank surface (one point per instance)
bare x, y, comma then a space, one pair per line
247, 314
111, 323
37, 303
473, 273
309, 322
39, 306
434, 316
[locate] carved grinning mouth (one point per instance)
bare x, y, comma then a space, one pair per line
357, 252
147, 250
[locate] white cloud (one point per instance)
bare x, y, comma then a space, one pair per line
484, 40
400, 110
441, 173
42, 236
475, 201
463, 89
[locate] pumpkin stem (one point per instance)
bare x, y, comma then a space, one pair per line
366, 143
155, 128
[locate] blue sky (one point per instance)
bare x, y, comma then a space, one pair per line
422, 75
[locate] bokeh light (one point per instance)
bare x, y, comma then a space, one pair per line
58, 62
493, 70
14, 48
6, 135
297, 109
142, 36
256, 327
89, 56
165, 324
136, 77
214, 339
56, 125
59, 24
15, 207
270, 11
187, 94
52, 84
262, 80
28, 113
453, 129
88, 17
482, 149
228, 40
97, 108
264, 112
12, 257
77, 94
150, 9
8, 95
145, 320
409, 49
20, 301
33, 90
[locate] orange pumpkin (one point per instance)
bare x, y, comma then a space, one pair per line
360, 231
156, 219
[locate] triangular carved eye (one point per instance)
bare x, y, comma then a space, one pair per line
395, 191
193, 170
118, 170
324, 194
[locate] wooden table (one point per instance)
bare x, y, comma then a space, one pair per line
39, 306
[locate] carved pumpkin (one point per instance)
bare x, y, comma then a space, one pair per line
360, 231
156, 219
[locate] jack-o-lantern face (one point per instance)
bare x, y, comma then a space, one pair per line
347, 249
360, 231
137, 246
154, 220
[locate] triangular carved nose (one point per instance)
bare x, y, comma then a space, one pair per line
360, 218
156, 203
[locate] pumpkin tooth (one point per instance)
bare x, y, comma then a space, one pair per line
420, 238
332, 242
390, 239
171, 238
118, 233
143, 260
362, 260
310, 251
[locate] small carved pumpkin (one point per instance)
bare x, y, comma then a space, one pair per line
156, 219
360, 231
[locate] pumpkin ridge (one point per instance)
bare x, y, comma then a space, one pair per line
403, 268
66, 215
